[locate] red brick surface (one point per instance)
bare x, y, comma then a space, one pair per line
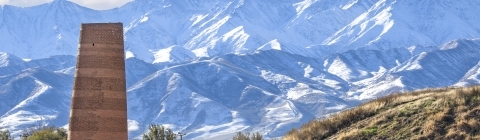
99, 106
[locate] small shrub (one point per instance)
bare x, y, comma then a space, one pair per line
246, 136
5, 135
48, 133
370, 131
159, 132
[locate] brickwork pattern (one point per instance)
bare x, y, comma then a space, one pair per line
102, 34
99, 106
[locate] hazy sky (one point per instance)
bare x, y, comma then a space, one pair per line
94, 4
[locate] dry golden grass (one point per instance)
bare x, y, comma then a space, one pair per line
448, 113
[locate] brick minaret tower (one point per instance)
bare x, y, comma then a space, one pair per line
99, 106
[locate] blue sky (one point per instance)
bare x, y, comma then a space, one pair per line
93, 4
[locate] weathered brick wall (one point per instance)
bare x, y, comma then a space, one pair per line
99, 106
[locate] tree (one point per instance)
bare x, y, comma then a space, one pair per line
47, 133
242, 136
159, 132
170, 135
256, 136
5, 135
246, 136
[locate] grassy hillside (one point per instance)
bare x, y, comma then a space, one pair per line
450, 113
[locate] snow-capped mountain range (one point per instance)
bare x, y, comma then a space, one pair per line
211, 68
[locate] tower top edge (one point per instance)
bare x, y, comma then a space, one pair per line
109, 23
115, 26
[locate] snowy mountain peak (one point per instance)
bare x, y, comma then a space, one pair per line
211, 28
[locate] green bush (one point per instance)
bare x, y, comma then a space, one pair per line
159, 132
370, 131
49, 133
246, 136
5, 135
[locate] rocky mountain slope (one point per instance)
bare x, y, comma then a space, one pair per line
267, 91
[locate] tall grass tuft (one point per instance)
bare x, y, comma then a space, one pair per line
449, 113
